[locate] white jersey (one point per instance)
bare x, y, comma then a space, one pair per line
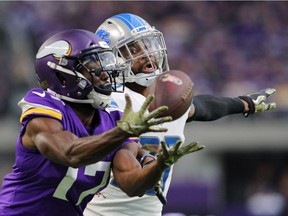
112, 200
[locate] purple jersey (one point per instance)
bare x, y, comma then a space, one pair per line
38, 186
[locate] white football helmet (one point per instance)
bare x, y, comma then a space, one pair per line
125, 32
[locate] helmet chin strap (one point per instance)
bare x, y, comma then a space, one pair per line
142, 78
98, 101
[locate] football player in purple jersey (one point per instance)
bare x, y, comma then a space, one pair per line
71, 137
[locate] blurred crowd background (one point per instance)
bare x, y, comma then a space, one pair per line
227, 48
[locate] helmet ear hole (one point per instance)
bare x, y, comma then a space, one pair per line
61, 78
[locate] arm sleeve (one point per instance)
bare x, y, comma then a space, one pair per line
210, 108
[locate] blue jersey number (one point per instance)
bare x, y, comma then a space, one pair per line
170, 141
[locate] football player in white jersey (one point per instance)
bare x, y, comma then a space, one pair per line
143, 49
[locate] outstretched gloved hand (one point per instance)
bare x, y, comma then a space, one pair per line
171, 155
142, 121
256, 101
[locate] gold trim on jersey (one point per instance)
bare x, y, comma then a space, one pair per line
52, 113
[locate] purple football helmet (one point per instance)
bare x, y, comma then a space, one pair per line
60, 58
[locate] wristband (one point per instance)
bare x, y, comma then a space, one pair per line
144, 157
250, 105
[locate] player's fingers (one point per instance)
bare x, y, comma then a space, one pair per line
268, 106
270, 91
260, 99
152, 129
192, 147
271, 106
158, 121
128, 103
157, 112
164, 148
147, 102
177, 145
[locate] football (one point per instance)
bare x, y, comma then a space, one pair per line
174, 89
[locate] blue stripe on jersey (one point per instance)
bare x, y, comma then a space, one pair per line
133, 22
114, 104
149, 140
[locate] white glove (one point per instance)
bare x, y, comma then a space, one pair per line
256, 101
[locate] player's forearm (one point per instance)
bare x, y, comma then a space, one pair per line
143, 180
210, 108
75, 152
